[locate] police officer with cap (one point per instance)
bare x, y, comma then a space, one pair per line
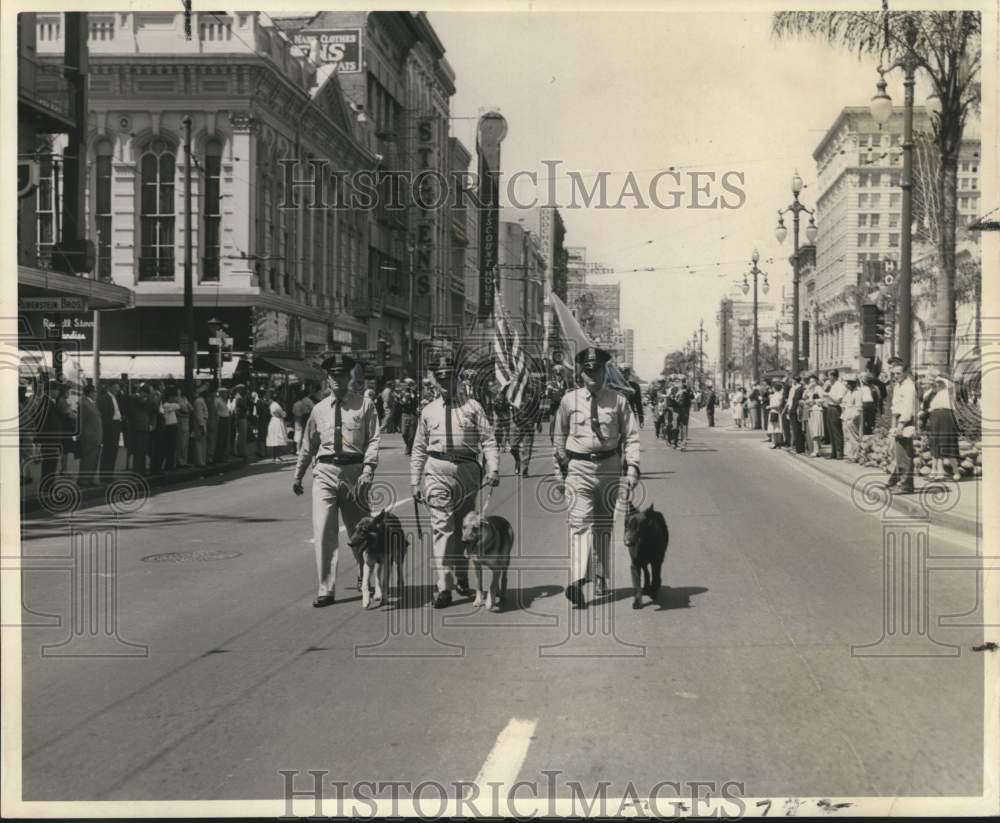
595, 426
342, 435
450, 434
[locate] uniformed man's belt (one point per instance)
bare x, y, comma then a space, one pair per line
591, 457
454, 457
341, 459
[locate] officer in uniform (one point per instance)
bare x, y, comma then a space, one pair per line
595, 426
450, 434
408, 412
342, 434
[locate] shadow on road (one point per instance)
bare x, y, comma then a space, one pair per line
667, 598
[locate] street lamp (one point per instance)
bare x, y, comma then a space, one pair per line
746, 288
881, 111
795, 207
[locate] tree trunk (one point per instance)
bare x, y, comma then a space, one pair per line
943, 327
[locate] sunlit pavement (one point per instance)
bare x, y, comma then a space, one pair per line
205, 670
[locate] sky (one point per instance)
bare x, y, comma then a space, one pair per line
644, 91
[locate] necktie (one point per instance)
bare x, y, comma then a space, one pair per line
338, 435
595, 425
448, 444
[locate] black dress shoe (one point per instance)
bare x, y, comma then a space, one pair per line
442, 600
462, 587
574, 594
324, 600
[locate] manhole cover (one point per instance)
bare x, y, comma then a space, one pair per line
191, 557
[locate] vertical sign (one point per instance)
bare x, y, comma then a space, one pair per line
491, 132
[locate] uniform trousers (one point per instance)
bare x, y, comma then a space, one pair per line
521, 445
408, 426
332, 496
710, 411
593, 490
450, 490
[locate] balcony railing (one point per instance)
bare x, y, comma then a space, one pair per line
45, 85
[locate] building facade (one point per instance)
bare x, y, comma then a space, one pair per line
859, 209
522, 281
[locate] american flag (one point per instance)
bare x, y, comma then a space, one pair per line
511, 364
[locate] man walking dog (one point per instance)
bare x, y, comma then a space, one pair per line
342, 434
450, 434
595, 425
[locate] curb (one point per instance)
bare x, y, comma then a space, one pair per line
90, 494
907, 504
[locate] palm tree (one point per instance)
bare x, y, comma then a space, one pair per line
948, 48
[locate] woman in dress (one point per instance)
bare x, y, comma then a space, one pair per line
277, 437
774, 403
942, 427
168, 408
814, 405
184, 409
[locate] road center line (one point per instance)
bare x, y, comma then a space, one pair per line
504, 762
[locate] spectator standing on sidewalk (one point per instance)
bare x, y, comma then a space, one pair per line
262, 419
796, 414
112, 421
240, 415
277, 436
683, 398
183, 430
904, 412
140, 413
814, 405
710, 401
942, 427
199, 425
222, 438
774, 406
869, 406
212, 427
756, 406
832, 403
168, 408
852, 412
407, 405
89, 439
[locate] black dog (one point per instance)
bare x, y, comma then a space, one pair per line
378, 542
646, 537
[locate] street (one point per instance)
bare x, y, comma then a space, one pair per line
742, 671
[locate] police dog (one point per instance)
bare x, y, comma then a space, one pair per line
646, 537
488, 542
378, 542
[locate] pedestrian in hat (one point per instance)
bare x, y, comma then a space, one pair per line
342, 435
903, 430
942, 427
407, 404
596, 425
851, 414
451, 434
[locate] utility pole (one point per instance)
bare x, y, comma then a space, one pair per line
188, 336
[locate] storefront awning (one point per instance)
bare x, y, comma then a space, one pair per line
297, 366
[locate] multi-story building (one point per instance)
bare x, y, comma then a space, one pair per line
394, 73
859, 207
522, 272
61, 292
289, 281
629, 347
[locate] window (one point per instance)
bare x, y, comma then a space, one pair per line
862, 220
102, 209
873, 239
964, 183
972, 183
893, 240
861, 239
895, 139
156, 208
862, 201
212, 209
965, 165
876, 199
876, 180
895, 160
862, 141
874, 220
893, 221
894, 180
974, 169
963, 202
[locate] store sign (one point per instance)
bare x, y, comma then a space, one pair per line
339, 47
52, 304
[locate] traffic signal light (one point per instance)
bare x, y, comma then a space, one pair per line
868, 316
383, 351
879, 325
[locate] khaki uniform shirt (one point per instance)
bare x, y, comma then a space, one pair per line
617, 424
358, 425
470, 431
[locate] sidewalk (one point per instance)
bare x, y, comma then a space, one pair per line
953, 505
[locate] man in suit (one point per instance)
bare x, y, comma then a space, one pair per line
89, 438
140, 419
710, 402
904, 419
795, 422
112, 422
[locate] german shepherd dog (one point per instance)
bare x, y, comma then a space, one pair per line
378, 542
646, 537
488, 542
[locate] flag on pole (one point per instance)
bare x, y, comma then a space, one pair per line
576, 340
511, 365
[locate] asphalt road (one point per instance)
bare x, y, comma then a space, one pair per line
742, 671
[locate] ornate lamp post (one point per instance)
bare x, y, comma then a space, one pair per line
881, 111
746, 287
795, 207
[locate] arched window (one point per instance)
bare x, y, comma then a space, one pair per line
157, 168
102, 208
212, 211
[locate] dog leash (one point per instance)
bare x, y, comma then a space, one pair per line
416, 514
